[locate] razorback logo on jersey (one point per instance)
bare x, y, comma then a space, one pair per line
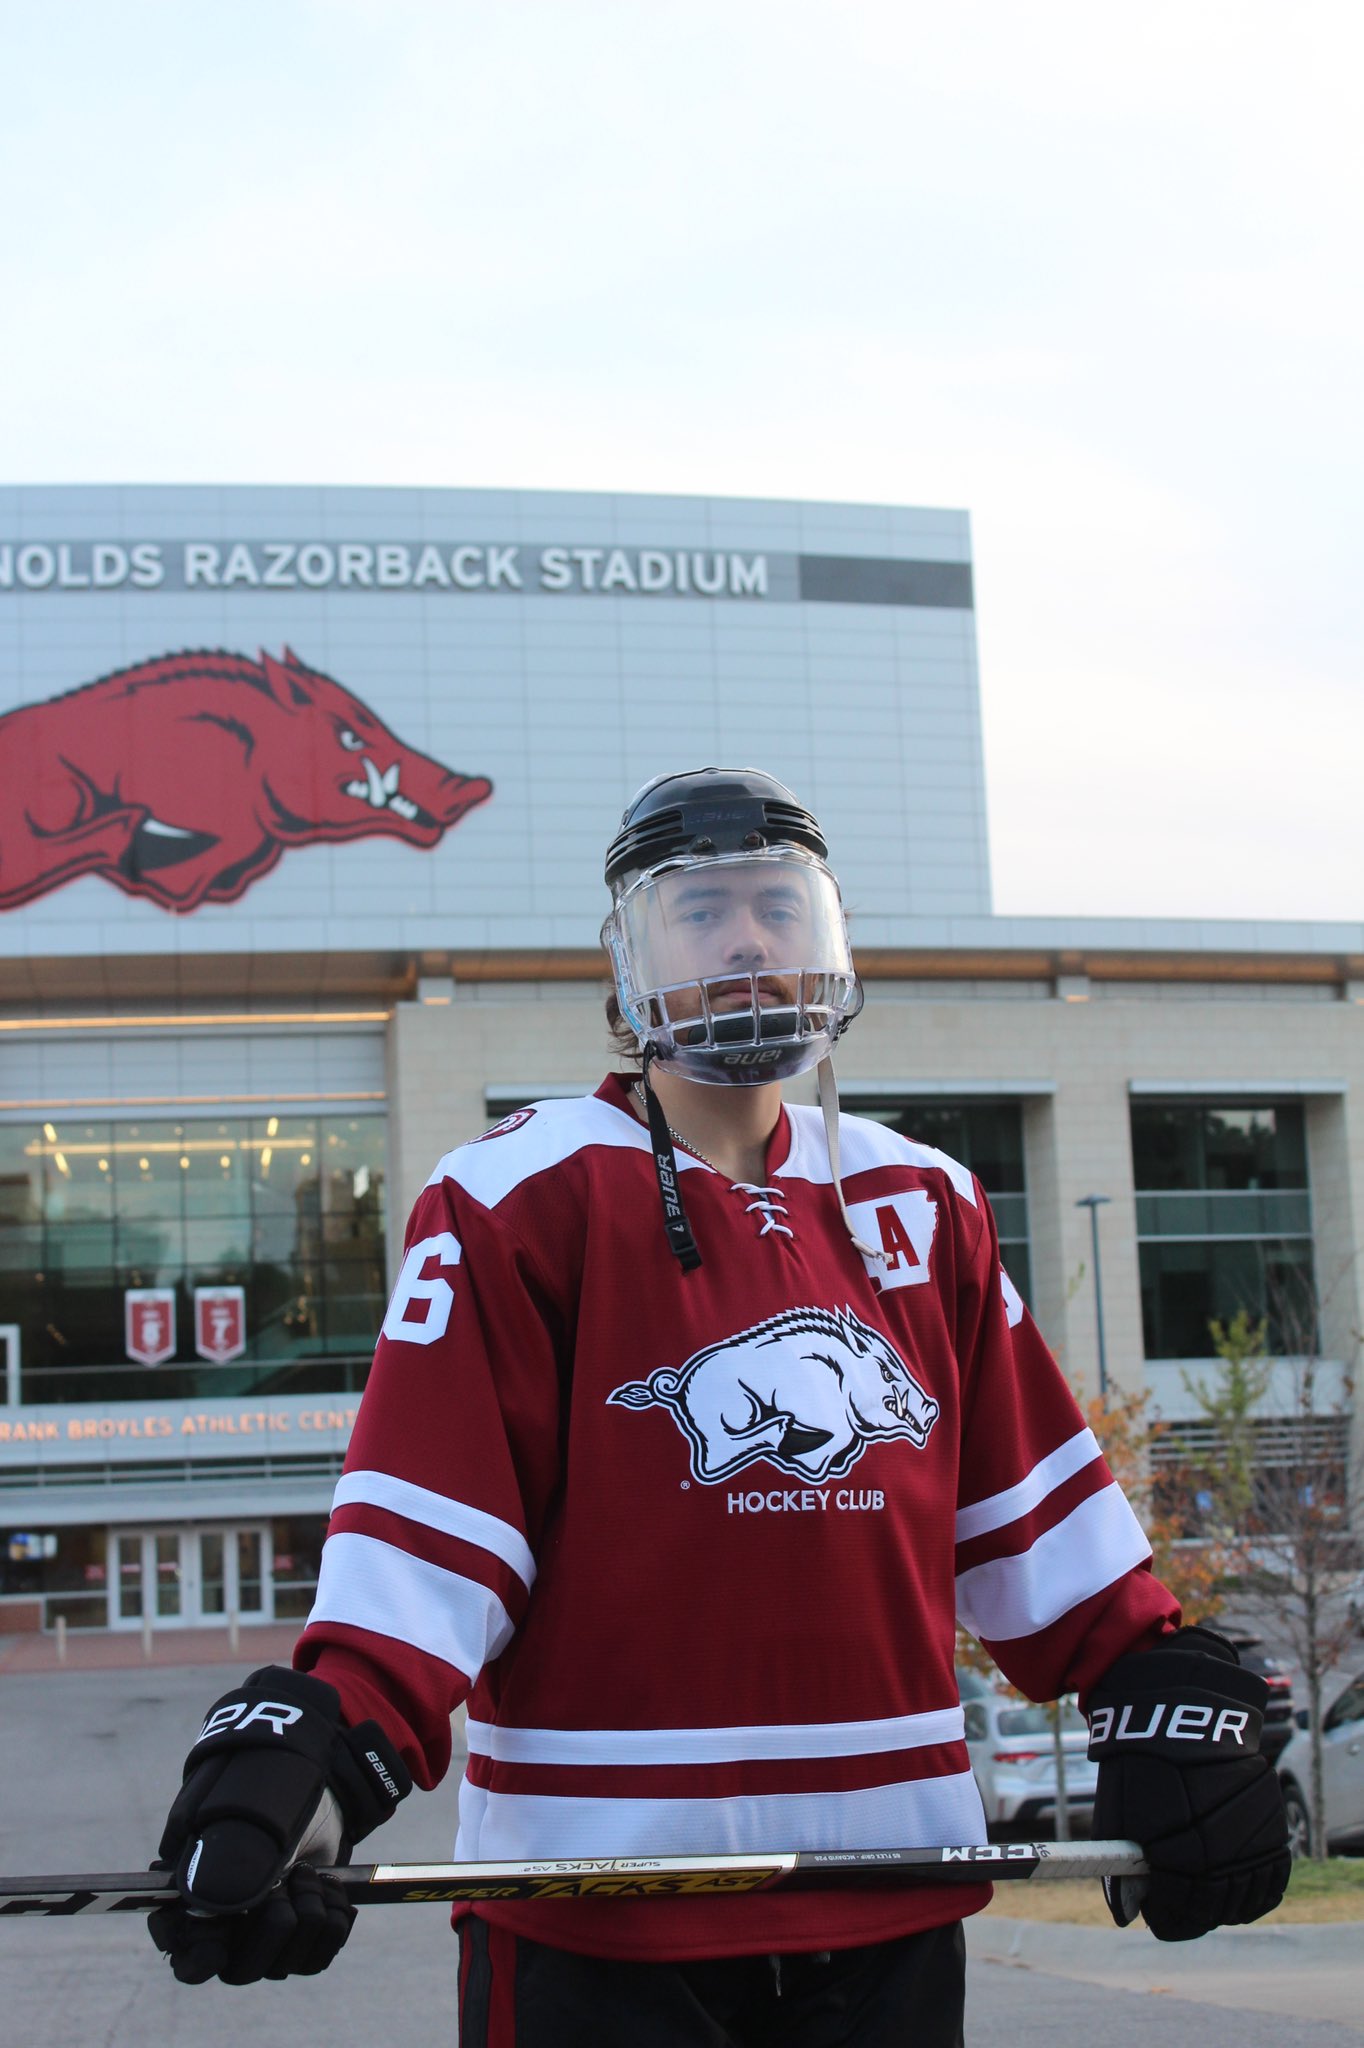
185, 779
808, 1391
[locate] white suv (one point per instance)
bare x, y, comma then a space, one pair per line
1342, 1770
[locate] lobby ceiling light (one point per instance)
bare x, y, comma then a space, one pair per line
118, 1102
235, 1018
181, 1146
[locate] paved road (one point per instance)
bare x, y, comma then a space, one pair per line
90, 1759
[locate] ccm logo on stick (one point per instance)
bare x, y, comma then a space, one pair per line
242, 1714
1185, 1724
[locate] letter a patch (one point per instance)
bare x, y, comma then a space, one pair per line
903, 1226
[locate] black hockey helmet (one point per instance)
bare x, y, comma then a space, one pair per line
727, 937
705, 811
729, 948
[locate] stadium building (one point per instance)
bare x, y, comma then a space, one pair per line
303, 801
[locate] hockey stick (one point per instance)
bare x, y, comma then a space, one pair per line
628, 1877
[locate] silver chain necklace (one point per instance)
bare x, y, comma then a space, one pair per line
676, 1136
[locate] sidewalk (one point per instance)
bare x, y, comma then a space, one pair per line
1296, 1973
115, 1650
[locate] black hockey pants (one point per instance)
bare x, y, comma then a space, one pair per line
516, 1993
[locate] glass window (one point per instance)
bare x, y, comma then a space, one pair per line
1223, 1223
218, 1252
21, 1174
353, 1169
1348, 1708
290, 1208
1210, 1146
298, 1559
21, 1250
284, 1168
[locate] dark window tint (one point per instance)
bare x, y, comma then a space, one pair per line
1198, 1145
1223, 1224
291, 1209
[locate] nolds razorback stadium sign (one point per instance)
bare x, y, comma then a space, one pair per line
506, 568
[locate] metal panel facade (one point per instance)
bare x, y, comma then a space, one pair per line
558, 648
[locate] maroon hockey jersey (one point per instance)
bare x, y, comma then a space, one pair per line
693, 1545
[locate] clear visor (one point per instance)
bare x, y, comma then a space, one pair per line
731, 948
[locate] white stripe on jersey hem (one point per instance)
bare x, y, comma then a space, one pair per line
595, 1746
1049, 1473
512, 1826
1016, 1596
494, 1168
863, 1145
438, 1511
367, 1584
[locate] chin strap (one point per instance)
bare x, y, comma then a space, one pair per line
827, 1088
669, 1180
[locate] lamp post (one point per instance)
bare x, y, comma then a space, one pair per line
1094, 1203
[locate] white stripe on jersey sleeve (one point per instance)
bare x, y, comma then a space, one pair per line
1017, 1596
512, 1826
1052, 1471
713, 1745
863, 1144
367, 1584
437, 1511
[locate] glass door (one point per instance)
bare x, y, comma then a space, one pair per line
149, 1578
190, 1578
234, 1573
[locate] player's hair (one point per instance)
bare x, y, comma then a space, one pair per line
623, 1041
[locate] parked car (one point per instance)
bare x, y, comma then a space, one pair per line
974, 1685
1278, 1676
1342, 1769
1011, 1746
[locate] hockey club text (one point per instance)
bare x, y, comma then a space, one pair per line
807, 1501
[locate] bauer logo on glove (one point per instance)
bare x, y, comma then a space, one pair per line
1170, 1721
243, 1714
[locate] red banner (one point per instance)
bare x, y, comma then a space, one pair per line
149, 1324
219, 1323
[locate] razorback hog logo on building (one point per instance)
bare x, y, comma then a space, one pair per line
808, 1390
185, 779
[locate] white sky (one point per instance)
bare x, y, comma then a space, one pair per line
1093, 273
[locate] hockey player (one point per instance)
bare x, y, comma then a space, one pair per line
695, 1420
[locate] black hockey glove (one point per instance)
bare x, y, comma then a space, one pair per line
275, 1781
1176, 1732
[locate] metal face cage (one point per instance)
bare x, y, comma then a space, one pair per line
735, 967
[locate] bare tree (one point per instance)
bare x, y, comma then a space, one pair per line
1280, 1493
